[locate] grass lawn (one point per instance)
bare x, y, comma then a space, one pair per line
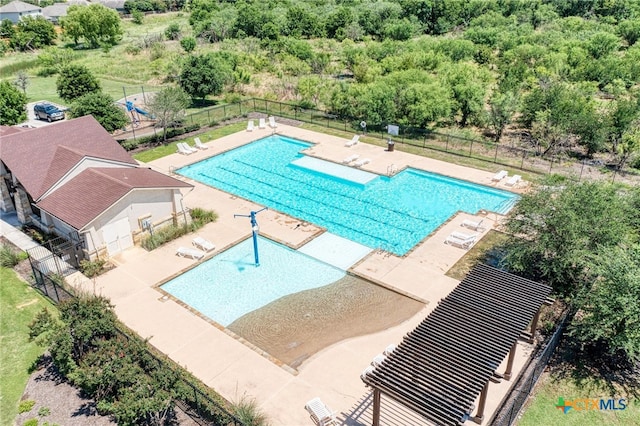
541, 409
19, 304
170, 148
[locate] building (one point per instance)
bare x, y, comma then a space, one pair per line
73, 179
15, 10
54, 12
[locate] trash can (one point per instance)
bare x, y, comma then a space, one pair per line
390, 145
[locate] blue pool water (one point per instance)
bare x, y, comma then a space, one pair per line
230, 285
393, 214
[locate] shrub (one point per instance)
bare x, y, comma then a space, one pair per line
173, 31
200, 217
137, 17
44, 411
92, 268
26, 406
10, 258
247, 411
31, 422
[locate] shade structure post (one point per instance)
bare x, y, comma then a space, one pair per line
534, 325
479, 417
512, 355
376, 407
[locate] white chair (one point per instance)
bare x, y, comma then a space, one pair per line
262, 124
476, 226
189, 252
354, 140
461, 240
378, 359
513, 180
188, 147
350, 159
499, 176
250, 126
272, 122
362, 162
203, 244
320, 413
199, 144
182, 150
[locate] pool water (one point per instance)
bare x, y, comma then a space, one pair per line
389, 213
229, 285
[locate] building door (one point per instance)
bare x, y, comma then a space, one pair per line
117, 236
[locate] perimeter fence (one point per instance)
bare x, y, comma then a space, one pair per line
485, 150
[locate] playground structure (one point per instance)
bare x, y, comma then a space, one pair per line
141, 120
136, 113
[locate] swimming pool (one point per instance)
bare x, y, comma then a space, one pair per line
391, 213
229, 285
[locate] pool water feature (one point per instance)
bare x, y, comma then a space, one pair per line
229, 285
389, 213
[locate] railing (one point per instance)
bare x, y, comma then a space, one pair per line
485, 150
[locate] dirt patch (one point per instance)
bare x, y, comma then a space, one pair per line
295, 327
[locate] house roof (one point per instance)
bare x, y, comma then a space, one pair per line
55, 10
40, 157
94, 190
9, 130
18, 7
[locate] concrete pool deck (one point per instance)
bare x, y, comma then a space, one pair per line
229, 365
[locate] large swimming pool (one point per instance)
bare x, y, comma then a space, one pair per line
390, 213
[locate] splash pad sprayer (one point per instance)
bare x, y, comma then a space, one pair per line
254, 230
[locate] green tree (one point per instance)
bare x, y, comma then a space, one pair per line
556, 231
205, 75
75, 81
502, 106
173, 31
629, 30
102, 108
33, 33
188, 44
22, 81
94, 24
629, 145
609, 310
469, 86
168, 106
7, 30
12, 104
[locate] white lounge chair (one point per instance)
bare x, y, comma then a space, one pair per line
378, 359
199, 144
203, 244
189, 252
362, 162
499, 176
513, 180
354, 140
350, 159
262, 124
272, 122
461, 240
320, 413
183, 150
476, 226
188, 147
250, 126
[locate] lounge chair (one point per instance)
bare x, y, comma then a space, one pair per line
513, 180
350, 159
189, 252
199, 144
203, 244
499, 176
378, 359
188, 147
272, 122
262, 124
354, 140
250, 126
362, 162
476, 226
461, 240
320, 413
183, 150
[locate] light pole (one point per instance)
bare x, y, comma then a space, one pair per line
254, 230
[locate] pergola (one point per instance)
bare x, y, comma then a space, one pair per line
439, 368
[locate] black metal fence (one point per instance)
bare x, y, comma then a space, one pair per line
504, 155
512, 405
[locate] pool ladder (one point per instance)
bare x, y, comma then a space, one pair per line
392, 169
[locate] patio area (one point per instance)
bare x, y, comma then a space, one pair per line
235, 368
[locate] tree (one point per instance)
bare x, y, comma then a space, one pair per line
75, 81
205, 75
502, 106
557, 231
103, 109
609, 310
12, 104
168, 106
22, 81
188, 44
7, 29
629, 145
94, 24
173, 31
33, 33
468, 84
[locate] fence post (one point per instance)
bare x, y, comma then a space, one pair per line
224, 112
495, 156
522, 161
446, 145
550, 164
208, 117
471, 148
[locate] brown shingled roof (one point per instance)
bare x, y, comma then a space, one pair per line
41, 157
94, 190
